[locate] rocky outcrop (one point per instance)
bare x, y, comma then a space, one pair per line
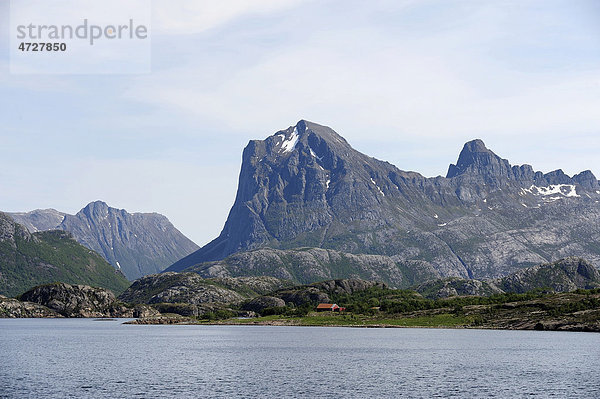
135, 243
13, 308
177, 287
562, 276
191, 288
323, 291
304, 295
263, 302
305, 186
347, 286
251, 286
565, 275
307, 265
456, 287
82, 301
29, 259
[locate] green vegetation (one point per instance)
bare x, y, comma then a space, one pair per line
316, 319
382, 307
51, 256
402, 301
370, 304
221, 314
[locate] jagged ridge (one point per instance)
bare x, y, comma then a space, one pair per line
306, 187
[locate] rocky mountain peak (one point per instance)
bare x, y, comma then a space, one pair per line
587, 180
305, 186
96, 208
306, 140
475, 146
476, 158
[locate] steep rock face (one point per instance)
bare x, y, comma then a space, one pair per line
190, 288
307, 187
477, 159
27, 260
135, 243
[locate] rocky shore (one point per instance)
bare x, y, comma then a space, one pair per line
66, 300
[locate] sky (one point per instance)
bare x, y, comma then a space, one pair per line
408, 82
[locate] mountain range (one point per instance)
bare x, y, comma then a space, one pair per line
306, 189
135, 243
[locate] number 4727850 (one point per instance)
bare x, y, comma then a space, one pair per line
42, 46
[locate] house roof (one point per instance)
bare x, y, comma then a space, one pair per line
326, 305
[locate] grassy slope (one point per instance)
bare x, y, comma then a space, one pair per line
52, 256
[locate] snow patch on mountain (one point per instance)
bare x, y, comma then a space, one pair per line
378, 188
289, 144
567, 190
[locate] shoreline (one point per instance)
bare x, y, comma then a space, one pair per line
293, 323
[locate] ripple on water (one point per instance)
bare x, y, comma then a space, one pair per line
79, 358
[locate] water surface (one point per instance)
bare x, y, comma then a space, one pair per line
83, 358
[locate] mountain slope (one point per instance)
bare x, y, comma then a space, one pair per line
27, 260
307, 187
138, 244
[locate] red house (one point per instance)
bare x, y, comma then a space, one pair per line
328, 307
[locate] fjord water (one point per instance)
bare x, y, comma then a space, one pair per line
83, 358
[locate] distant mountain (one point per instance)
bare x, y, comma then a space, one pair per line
27, 260
39, 219
307, 187
135, 243
565, 275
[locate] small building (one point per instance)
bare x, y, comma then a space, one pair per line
328, 307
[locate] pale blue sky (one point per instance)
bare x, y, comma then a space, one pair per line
405, 81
